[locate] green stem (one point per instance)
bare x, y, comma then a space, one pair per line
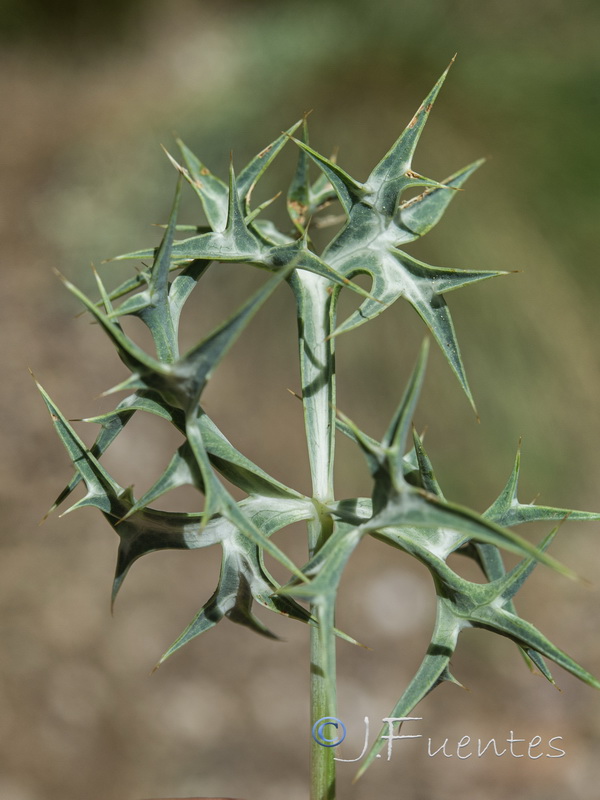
315, 297
316, 300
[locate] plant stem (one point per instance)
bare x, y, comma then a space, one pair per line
315, 300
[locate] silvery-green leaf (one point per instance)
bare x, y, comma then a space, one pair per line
507, 510
213, 193
219, 501
434, 669
325, 568
182, 382
428, 481
152, 305
393, 174
347, 189
251, 173
415, 509
418, 216
395, 274
527, 636
224, 457
243, 578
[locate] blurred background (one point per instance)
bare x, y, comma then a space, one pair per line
89, 93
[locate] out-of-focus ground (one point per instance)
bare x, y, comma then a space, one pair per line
88, 95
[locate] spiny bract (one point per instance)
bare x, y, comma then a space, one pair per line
407, 509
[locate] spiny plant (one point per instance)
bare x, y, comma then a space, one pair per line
407, 509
